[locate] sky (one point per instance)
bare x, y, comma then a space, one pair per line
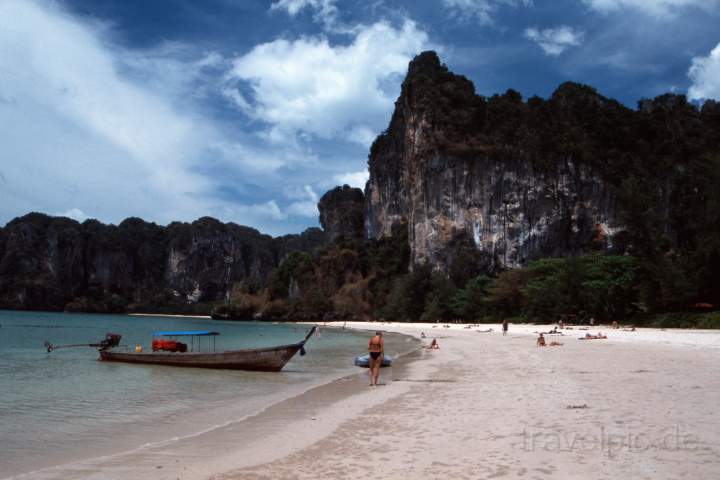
249, 110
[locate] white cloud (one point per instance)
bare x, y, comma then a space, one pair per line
303, 209
77, 127
329, 91
305, 192
269, 208
655, 8
554, 41
89, 126
325, 10
354, 179
255, 211
75, 214
481, 10
305, 204
705, 75
362, 135
172, 69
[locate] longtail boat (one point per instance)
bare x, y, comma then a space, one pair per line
174, 353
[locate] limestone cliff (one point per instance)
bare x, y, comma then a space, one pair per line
466, 171
55, 263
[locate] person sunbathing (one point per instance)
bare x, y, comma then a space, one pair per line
599, 336
556, 344
541, 341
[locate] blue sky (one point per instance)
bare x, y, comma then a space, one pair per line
249, 110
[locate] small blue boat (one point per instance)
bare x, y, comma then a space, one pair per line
364, 361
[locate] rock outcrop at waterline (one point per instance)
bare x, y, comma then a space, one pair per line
55, 263
466, 171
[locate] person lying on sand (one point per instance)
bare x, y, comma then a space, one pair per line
554, 331
485, 331
555, 344
599, 336
541, 341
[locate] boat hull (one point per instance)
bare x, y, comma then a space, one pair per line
258, 359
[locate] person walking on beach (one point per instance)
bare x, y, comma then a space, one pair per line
505, 327
376, 348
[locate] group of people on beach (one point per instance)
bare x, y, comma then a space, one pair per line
376, 346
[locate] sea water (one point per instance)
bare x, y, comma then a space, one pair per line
65, 406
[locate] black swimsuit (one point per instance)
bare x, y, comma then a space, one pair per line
375, 355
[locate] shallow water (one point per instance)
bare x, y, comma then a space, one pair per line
66, 406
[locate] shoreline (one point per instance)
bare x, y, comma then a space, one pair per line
603, 327
167, 315
461, 410
201, 446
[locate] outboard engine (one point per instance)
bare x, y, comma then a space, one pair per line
111, 340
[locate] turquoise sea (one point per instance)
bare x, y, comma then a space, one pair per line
66, 406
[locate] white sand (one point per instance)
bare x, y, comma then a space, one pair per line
482, 406
487, 406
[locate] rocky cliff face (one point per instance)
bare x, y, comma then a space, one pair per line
464, 180
341, 213
466, 171
56, 263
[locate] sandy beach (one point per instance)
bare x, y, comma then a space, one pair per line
640, 404
487, 406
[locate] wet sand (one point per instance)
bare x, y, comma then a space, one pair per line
487, 406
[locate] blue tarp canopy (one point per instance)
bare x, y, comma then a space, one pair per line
184, 332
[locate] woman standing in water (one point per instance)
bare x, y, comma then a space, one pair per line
376, 347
